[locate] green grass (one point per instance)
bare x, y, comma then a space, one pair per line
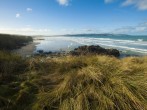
11, 64
11, 42
77, 83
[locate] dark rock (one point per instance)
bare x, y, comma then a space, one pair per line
97, 50
40, 51
48, 53
113, 52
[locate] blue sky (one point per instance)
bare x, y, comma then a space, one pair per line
51, 17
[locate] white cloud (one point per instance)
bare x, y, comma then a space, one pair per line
17, 15
109, 1
140, 4
26, 31
29, 9
140, 28
80, 31
63, 2
28, 25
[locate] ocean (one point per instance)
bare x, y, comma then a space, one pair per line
126, 44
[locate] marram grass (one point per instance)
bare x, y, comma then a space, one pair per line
95, 83
73, 83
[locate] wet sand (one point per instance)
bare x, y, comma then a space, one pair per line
27, 50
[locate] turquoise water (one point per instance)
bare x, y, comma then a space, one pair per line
132, 45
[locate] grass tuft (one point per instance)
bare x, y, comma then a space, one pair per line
103, 83
73, 83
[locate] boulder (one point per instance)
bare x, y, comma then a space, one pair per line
94, 49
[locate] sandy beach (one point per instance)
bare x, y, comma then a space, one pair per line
27, 50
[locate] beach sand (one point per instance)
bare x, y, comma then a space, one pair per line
27, 50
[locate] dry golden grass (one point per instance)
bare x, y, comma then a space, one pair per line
73, 83
95, 83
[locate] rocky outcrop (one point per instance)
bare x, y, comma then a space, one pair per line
96, 50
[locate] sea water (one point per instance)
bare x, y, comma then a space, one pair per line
126, 44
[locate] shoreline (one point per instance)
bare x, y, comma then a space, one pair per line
27, 50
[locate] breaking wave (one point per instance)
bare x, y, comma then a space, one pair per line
139, 45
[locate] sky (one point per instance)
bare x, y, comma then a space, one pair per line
58, 17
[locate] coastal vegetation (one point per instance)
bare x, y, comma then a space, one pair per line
72, 82
10, 42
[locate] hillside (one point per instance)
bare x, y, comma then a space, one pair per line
10, 42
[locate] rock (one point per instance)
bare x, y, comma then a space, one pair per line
97, 50
48, 53
40, 51
113, 52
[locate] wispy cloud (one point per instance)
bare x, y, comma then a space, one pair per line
140, 4
81, 31
26, 31
29, 9
17, 15
109, 1
63, 2
140, 28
